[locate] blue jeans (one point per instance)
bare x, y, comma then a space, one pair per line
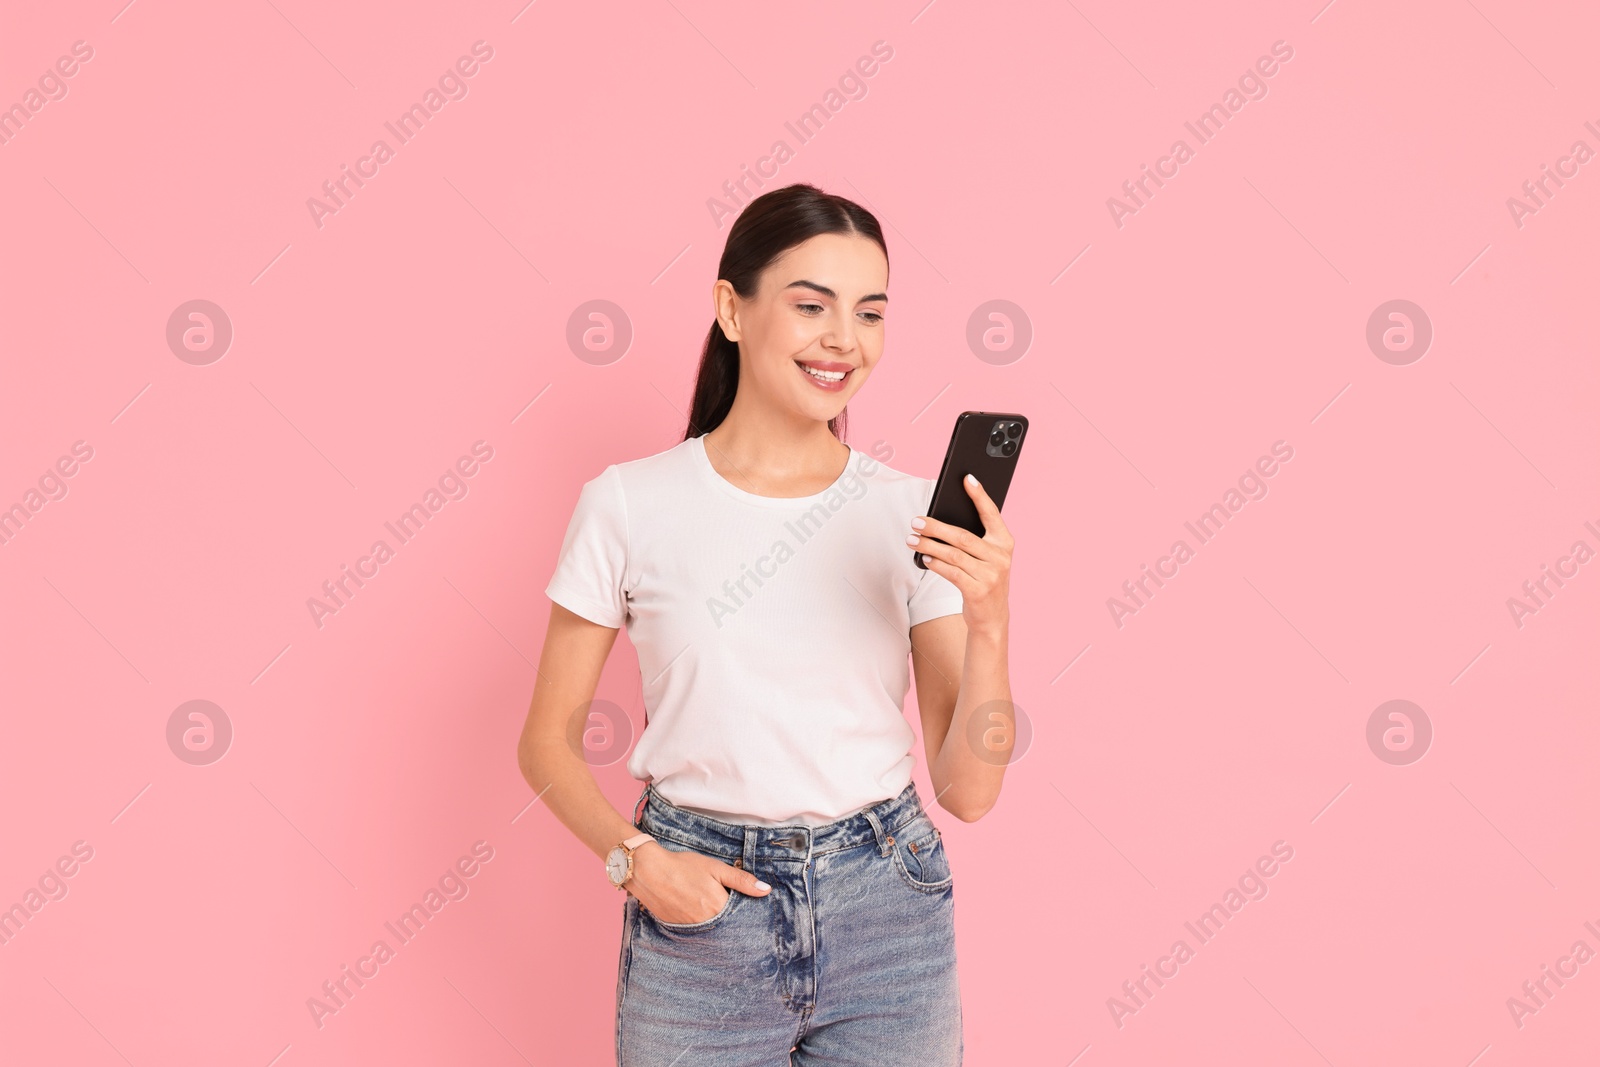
849, 960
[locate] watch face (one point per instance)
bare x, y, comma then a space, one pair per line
617, 865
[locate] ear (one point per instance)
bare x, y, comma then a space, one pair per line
725, 305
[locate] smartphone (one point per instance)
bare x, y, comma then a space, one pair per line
986, 445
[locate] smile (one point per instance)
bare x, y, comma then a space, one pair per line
830, 377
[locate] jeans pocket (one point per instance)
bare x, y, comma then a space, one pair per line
919, 855
694, 928
673, 844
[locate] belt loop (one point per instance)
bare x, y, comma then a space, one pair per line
748, 857
638, 809
877, 831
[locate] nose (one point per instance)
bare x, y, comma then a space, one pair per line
841, 336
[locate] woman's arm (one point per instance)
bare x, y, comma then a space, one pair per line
960, 673
960, 664
677, 887
574, 654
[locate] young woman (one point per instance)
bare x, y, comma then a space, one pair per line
788, 899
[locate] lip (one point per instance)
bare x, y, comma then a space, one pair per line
827, 365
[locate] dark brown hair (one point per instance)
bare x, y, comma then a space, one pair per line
769, 226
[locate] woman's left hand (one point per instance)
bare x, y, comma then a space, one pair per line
979, 566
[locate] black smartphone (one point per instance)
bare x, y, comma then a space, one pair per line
986, 445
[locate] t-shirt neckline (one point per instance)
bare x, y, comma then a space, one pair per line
702, 461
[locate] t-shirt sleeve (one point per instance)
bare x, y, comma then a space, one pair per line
934, 596
591, 575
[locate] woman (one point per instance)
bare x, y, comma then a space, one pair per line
788, 900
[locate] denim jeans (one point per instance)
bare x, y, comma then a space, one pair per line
849, 960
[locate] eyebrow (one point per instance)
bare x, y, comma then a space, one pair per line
825, 291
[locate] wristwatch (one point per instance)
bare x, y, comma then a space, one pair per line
619, 861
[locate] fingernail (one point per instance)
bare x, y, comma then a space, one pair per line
912, 539
917, 524
763, 886
971, 480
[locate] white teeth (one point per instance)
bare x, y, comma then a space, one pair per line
825, 375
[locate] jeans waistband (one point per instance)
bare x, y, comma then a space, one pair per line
876, 823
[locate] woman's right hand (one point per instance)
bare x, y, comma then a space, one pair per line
686, 887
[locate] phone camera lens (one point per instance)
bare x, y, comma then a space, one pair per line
1014, 430
995, 436
1009, 448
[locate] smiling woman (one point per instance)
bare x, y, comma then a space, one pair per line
776, 751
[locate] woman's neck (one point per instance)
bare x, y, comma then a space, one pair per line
769, 461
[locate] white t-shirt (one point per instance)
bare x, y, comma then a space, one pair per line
773, 633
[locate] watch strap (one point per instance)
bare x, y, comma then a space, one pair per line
635, 841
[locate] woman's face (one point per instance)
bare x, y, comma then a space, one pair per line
821, 306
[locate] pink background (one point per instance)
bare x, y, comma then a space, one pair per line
1228, 313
